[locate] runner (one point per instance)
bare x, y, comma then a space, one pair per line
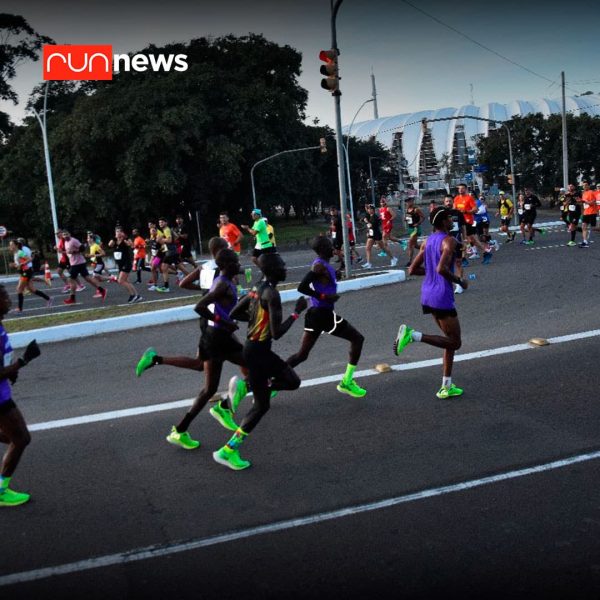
414, 218
271, 232
354, 255
374, 236
156, 256
482, 220
169, 253
530, 205
96, 255
387, 216
77, 267
435, 261
22, 262
506, 210
268, 372
184, 244
230, 233
468, 207
320, 283
13, 429
63, 261
260, 233
459, 233
590, 210
123, 255
573, 204
200, 279
336, 235
139, 254
218, 344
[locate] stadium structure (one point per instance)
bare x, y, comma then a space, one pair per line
433, 155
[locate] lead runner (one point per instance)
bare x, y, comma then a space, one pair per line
436, 262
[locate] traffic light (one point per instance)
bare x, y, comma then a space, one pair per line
331, 82
509, 178
323, 144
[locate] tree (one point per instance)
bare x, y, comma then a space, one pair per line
18, 42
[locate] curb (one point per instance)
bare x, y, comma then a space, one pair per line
84, 329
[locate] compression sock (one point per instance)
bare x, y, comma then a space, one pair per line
236, 440
446, 382
157, 360
573, 233
20, 296
417, 336
41, 295
349, 374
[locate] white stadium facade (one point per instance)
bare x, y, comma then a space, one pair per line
426, 155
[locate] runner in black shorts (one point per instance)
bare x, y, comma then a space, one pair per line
320, 283
337, 236
459, 233
123, 255
262, 309
22, 262
375, 236
218, 344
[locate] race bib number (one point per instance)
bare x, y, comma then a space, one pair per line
154, 252
118, 255
206, 278
520, 211
572, 207
409, 220
454, 226
333, 235
586, 205
484, 220
528, 207
370, 232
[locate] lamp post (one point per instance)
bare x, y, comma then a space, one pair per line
371, 178
346, 146
42, 122
269, 158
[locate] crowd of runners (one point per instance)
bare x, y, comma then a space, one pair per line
460, 228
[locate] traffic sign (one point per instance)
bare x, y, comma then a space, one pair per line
481, 168
3, 231
468, 176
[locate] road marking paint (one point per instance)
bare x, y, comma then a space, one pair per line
422, 364
161, 550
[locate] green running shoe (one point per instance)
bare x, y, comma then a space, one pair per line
571, 243
231, 458
146, 362
237, 392
224, 416
403, 338
182, 439
9, 497
352, 389
448, 392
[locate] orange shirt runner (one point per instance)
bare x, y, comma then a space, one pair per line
231, 233
589, 202
465, 203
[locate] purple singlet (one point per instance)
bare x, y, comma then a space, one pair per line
436, 291
218, 309
320, 288
6, 357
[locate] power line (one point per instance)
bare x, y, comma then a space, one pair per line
474, 41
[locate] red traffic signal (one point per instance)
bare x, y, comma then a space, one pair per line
331, 82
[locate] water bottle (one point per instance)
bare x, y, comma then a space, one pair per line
248, 273
472, 276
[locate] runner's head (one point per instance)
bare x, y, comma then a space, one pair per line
215, 244
228, 262
440, 219
66, 234
135, 232
410, 201
383, 201
448, 201
179, 220
273, 267
256, 214
322, 247
13, 246
162, 222
462, 189
223, 218
586, 186
5, 302
333, 211
369, 208
120, 234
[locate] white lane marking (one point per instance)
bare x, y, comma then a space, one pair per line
161, 550
142, 410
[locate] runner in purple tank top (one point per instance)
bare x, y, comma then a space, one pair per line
218, 344
436, 261
320, 283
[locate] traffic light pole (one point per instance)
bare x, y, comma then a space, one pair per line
335, 5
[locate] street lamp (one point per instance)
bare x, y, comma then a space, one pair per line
42, 122
371, 177
348, 162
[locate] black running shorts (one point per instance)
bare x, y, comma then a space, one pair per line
75, 270
319, 320
439, 313
218, 344
262, 363
589, 220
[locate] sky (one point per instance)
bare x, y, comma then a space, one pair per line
418, 63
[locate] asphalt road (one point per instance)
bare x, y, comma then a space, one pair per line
104, 488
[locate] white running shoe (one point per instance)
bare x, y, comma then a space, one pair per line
393, 262
367, 265
136, 298
80, 288
152, 288
459, 289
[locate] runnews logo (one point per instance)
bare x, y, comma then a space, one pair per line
97, 62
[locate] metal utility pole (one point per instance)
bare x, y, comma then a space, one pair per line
42, 123
565, 150
374, 95
335, 6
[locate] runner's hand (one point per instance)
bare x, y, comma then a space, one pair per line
301, 305
32, 351
464, 283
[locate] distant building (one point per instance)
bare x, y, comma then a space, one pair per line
442, 152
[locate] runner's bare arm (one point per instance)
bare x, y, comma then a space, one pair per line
279, 327
219, 293
188, 282
444, 267
240, 312
417, 267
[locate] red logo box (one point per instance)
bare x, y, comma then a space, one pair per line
73, 62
